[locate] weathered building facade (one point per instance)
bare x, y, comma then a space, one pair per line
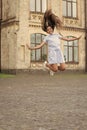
21, 24
85, 35
0, 30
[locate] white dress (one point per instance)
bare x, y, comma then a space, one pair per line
55, 55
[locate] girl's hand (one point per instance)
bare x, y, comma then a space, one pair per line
28, 46
79, 37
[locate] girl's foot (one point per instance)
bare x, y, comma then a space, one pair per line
44, 65
51, 73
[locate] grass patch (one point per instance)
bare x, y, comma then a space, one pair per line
2, 75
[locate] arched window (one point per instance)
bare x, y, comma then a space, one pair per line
71, 54
38, 5
70, 8
39, 54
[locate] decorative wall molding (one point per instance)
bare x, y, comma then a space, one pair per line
71, 22
36, 18
73, 29
34, 24
9, 23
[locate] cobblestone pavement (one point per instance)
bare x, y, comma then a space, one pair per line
38, 101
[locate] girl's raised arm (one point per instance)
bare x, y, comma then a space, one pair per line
36, 47
70, 39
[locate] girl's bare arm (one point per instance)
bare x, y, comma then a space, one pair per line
70, 39
36, 47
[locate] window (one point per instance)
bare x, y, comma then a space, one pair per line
38, 5
70, 8
71, 51
39, 54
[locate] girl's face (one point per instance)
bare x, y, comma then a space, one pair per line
49, 30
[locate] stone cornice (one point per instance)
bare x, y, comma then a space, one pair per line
73, 28
34, 24
9, 22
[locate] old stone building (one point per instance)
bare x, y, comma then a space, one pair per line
0, 31
21, 24
85, 35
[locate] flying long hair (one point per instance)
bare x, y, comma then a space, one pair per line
50, 19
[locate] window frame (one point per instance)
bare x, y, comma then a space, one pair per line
43, 56
73, 47
41, 6
72, 11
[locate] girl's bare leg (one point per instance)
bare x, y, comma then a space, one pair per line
61, 67
53, 67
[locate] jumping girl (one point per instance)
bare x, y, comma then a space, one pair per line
55, 56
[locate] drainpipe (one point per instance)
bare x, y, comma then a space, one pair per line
85, 36
0, 30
